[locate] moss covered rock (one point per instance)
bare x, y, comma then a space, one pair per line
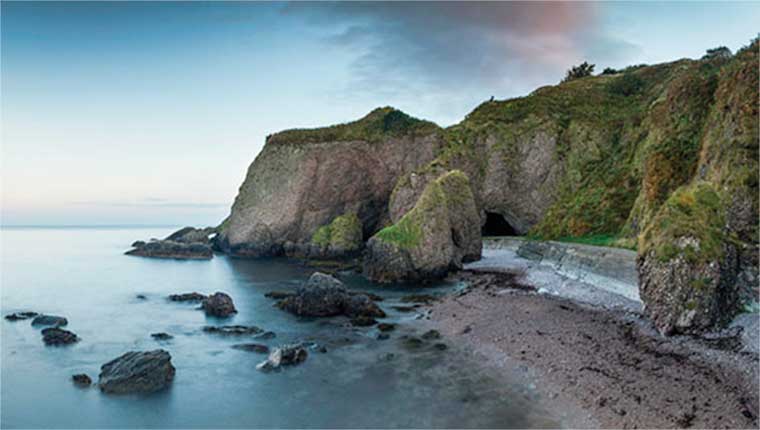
342, 238
437, 235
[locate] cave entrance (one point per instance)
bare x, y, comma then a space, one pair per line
497, 225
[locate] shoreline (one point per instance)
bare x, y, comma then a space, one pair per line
600, 366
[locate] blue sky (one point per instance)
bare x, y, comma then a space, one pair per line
150, 113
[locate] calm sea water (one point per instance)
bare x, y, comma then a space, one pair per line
81, 273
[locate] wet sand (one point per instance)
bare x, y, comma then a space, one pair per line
600, 367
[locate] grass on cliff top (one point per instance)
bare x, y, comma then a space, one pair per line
375, 126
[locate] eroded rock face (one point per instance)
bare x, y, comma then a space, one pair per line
325, 296
219, 305
437, 235
304, 179
137, 372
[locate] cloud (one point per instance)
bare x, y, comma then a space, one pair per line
455, 48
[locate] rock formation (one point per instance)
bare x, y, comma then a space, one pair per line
219, 305
303, 179
439, 233
324, 296
137, 372
188, 243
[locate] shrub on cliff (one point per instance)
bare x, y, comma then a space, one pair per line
580, 71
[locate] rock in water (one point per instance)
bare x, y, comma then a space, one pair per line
137, 372
49, 320
172, 249
233, 330
286, 355
187, 297
161, 336
252, 347
440, 233
219, 305
58, 336
20, 316
81, 380
325, 296
192, 235
304, 179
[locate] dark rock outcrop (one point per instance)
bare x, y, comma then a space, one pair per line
187, 297
137, 372
286, 355
81, 380
49, 320
17, 316
192, 235
172, 249
434, 237
304, 179
252, 347
324, 296
55, 336
161, 336
235, 330
219, 305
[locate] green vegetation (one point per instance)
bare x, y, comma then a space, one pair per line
377, 125
695, 213
580, 71
344, 232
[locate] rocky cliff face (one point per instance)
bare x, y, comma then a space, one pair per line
304, 179
662, 159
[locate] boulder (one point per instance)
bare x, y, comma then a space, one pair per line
219, 305
440, 233
49, 320
286, 355
304, 179
57, 336
235, 330
172, 249
324, 296
187, 297
137, 372
16, 316
81, 380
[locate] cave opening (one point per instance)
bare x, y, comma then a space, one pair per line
497, 225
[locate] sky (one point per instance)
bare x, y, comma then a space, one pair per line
150, 113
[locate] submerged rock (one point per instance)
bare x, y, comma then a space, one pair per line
219, 305
172, 249
81, 380
440, 233
386, 327
187, 297
58, 336
49, 320
252, 347
286, 355
236, 330
324, 296
161, 336
137, 372
363, 321
16, 316
278, 295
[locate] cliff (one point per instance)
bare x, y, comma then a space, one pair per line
662, 159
